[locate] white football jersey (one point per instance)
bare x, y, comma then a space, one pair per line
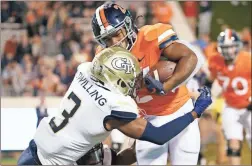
79, 124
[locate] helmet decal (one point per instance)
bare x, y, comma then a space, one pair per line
119, 69
122, 64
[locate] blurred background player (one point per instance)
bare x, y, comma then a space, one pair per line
232, 68
41, 109
113, 25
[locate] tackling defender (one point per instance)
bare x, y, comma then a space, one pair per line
232, 68
98, 101
113, 25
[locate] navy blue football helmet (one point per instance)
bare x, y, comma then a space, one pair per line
108, 19
229, 44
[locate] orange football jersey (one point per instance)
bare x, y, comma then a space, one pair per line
151, 40
235, 79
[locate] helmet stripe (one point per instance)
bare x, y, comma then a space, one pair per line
98, 18
103, 17
228, 35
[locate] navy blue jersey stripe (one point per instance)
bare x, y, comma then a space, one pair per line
166, 42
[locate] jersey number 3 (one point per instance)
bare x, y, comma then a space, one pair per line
65, 114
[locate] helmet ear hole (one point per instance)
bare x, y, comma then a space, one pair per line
123, 85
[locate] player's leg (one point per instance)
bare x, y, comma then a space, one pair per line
246, 121
148, 153
26, 158
233, 131
151, 154
184, 148
29, 155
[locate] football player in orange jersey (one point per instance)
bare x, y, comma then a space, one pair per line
113, 26
232, 68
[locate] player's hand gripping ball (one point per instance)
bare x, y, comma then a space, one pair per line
159, 74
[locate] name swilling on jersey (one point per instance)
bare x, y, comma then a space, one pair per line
122, 64
90, 89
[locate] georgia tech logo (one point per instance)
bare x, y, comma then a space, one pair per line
122, 64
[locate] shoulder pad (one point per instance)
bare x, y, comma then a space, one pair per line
152, 32
125, 104
83, 66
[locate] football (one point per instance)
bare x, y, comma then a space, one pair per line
163, 70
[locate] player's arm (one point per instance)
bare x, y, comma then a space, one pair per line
143, 130
188, 60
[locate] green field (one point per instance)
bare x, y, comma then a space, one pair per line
209, 153
8, 161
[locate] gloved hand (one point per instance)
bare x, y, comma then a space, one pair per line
153, 85
203, 101
249, 107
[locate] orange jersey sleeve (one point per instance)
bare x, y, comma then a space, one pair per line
151, 40
163, 34
245, 62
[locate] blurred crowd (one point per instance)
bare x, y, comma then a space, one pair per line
58, 37
199, 17
45, 57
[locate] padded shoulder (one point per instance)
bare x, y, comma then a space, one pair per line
153, 32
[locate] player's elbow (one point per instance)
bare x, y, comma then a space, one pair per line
193, 59
195, 55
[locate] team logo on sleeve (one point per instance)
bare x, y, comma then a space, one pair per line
122, 64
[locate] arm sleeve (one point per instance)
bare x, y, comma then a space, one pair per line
164, 133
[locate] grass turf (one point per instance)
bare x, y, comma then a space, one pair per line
209, 153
